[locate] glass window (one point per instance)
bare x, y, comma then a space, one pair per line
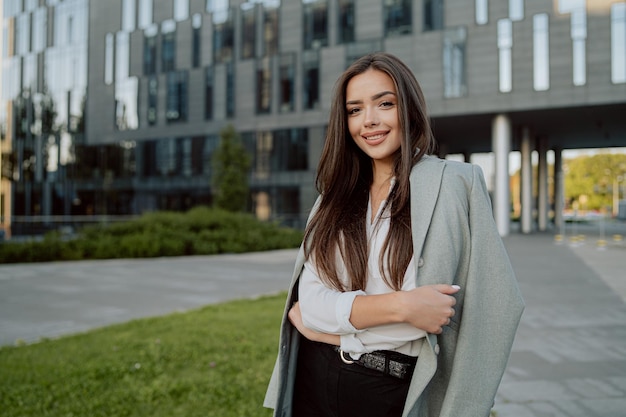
181, 10
146, 13
248, 30
516, 10
270, 27
40, 29
482, 12
22, 34
211, 142
579, 36
168, 46
209, 86
541, 53
128, 15
315, 23
150, 50
433, 15
166, 156
122, 56
177, 96
230, 90
196, 51
108, 58
287, 75
263, 86
618, 43
346, 21
505, 43
311, 79
153, 94
454, 62
126, 91
398, 17
223, 35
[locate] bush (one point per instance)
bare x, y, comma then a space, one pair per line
200, 231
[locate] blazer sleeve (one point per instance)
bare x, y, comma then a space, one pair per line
492, 309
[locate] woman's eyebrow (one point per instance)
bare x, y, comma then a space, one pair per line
374, 97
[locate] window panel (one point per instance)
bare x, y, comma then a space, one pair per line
209, 87
153, 94
181, 10
230, 90
482, 11
310, 82
129, 15
168, 46
346, 21
516, 10
145, 14
248, 30
454, 62
109, 49
579, 36
270, 27
126, 90
40, 29
398, 15
196, 50
263, 86
618, 43
223, 35
505, 43
287, 75
541, 53
177, 96
315, 23
433, 15
150, 50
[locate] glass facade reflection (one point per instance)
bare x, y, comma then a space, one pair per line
166, 77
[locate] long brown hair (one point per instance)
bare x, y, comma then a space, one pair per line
344, 177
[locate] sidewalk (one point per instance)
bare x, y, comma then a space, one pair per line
568, 360
569, 356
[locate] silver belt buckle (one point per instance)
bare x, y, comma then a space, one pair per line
343, 358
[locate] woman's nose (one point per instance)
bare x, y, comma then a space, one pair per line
371, 118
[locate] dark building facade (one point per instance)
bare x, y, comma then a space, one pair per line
115, 107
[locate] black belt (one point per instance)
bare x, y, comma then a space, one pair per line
388, 362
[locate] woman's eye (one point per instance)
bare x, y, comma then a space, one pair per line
353, 110
386, 104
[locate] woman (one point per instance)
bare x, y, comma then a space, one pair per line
403, 300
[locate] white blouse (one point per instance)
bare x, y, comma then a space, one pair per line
327, 310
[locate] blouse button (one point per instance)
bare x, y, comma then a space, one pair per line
420, 262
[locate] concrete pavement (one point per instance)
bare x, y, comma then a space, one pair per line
568, 360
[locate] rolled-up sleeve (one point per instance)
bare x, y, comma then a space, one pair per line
323, 309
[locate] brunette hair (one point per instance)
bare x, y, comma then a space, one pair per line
345, 175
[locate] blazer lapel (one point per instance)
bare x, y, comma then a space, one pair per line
425, 181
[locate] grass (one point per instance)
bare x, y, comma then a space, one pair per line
215, 361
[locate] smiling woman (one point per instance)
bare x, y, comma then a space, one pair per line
400, 255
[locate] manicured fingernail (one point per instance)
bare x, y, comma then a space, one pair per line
456, 287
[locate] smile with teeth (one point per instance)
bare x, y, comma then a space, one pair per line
374, 137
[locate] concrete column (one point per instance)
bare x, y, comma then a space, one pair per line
501, 137
559, 192
526, 175
542, 184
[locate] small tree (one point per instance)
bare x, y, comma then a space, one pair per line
230, 163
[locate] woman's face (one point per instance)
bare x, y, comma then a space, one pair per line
372, 110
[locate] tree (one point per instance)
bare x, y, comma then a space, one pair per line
593, 181
230, 164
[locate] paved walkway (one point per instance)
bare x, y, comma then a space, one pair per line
568, 360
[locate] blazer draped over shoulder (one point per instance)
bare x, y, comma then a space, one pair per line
456, 241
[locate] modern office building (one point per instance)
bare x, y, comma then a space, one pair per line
115, 107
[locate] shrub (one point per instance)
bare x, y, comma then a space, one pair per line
200, 231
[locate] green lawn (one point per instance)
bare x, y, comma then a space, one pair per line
215, 361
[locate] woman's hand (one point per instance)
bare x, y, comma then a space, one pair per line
295, 317
429, 308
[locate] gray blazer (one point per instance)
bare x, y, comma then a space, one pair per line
456, 242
